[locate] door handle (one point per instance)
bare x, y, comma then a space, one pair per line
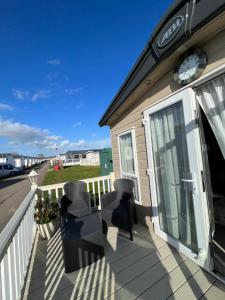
187, 180
190, 181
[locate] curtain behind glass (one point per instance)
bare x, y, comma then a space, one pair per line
171, 164
211, 97
126, 153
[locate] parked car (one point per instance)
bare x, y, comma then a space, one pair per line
8, 170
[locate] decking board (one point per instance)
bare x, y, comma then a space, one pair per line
171, 282
195, 287
148, 278
147, 268
216, 291
131, 272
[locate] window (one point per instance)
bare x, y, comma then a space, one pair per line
8, 167
128, 161
126, 153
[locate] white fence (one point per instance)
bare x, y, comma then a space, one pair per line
16, 242
95, 186
71, 162
89, 162
16, 239
81, 162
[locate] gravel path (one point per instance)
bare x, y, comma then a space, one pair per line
13, 190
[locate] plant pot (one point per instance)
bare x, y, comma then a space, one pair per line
47, 230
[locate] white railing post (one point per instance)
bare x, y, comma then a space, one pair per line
112, 179
16, 241
96, 185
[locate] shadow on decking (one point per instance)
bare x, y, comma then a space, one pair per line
147, 268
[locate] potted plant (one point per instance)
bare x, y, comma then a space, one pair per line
45, 215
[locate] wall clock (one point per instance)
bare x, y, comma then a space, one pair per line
190, 67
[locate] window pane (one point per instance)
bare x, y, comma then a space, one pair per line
126, 153
135, 181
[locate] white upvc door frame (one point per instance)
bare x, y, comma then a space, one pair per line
134, 151
187, 97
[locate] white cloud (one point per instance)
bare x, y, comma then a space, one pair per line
64, 143
21, 95
51, 76
12, 143
40, 94
24, 134
77, 124
83, 144
4, 106
54, 62
27, 95
42, 139
73, 91
79, 105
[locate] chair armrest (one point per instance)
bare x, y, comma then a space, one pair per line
64, 203
108, 198
87, 199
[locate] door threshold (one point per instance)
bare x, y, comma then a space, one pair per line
218, 276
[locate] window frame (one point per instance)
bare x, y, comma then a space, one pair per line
134, 150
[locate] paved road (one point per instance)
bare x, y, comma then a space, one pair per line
13, 190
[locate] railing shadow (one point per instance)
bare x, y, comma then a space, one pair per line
142, 269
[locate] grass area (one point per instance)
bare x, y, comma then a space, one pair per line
71, 173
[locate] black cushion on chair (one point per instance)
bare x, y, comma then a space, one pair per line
118, 208
76, 202
82, 242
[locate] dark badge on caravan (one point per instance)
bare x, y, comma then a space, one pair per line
170, 31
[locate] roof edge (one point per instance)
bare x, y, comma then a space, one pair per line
195, 15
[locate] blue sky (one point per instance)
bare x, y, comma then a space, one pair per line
61, 63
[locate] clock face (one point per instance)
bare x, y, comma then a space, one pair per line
190, 67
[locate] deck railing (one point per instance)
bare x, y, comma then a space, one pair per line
95, 186
16, 239
16, 242
71, 162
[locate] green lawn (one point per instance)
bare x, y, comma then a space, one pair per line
71, 173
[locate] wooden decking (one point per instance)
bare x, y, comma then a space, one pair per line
147, 268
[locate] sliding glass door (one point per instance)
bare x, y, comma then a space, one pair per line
128, 161
174, 159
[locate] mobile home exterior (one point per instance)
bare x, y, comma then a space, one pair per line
83, 157
19, 162
154, 122
26, 161
7, 158
90, 158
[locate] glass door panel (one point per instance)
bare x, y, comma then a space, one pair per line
171, 166
179, 203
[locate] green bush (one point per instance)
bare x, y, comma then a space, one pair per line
46, 210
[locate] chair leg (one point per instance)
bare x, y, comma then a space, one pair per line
104, 228
131, 234
135, 217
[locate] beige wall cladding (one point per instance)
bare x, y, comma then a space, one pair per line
132, 116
